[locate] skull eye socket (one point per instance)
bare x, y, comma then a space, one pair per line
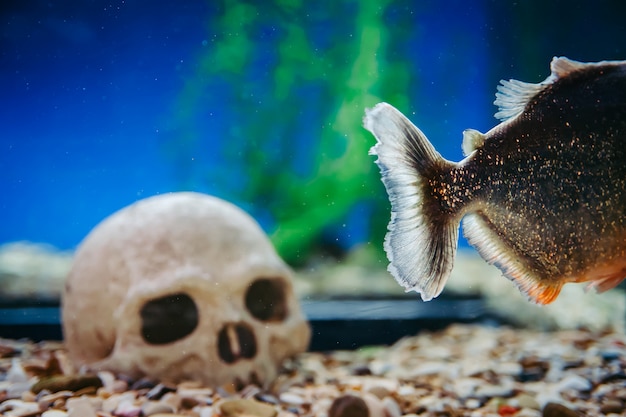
266, 299
168, 319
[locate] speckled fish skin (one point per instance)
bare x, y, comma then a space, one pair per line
542, 195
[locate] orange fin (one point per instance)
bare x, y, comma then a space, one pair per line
542, 293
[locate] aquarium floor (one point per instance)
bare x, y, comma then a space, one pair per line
461, 370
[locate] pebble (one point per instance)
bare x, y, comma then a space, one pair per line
494, 390
128, 409
510, 368
432, 374
574, 382
62, 382
188, 403
391, 407
465, 387
18, 408
291, 398
526, 401
348, 406
80, 407
12, 390
51, 398
267, 398
29, 396
150, 408
612, 406
197, 393
108, 379
206, 412
172, 399
472, 403
111, 404
143, 383
379, 391
245, 407
375, 406
16, 373
558, 410
159, 391
54, 413
168, 415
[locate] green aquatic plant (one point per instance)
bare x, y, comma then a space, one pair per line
297, 87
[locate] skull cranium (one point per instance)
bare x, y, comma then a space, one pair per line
182, 286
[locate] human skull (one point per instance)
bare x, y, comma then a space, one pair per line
182, 286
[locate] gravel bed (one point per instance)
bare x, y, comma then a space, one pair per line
464, 370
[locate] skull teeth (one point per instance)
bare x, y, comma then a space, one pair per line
236, 341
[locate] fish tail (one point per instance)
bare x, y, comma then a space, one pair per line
422, 236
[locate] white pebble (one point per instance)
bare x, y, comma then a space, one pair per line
291, 398
503, 389
15, 389
155, 407
374, 405
108, 379
128, 409
528, 412
79, 407
54, 413
391, 407
574, 382
19, 407
16, 372
465, 387
472, 403
510, 368
429, 368
406, 390
206, 412
110, 404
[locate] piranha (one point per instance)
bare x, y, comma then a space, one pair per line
542, 195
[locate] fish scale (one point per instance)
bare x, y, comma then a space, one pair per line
542, 195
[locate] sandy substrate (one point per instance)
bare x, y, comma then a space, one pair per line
463, 370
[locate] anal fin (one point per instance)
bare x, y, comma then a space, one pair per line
607, 276
493, 250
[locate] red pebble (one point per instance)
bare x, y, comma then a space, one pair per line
507, 410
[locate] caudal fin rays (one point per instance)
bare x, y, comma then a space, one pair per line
421, 249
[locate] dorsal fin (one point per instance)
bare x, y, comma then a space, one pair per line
472, 140
513, 96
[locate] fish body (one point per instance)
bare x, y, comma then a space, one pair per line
542, 195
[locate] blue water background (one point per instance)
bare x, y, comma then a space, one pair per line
88, 92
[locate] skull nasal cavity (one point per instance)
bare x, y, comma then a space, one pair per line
168, 319
236, 341
266, 299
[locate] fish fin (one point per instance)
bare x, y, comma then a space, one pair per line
608, 283
490, 246
420, 248
513, 96
472, 140
561, 67
606, 277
